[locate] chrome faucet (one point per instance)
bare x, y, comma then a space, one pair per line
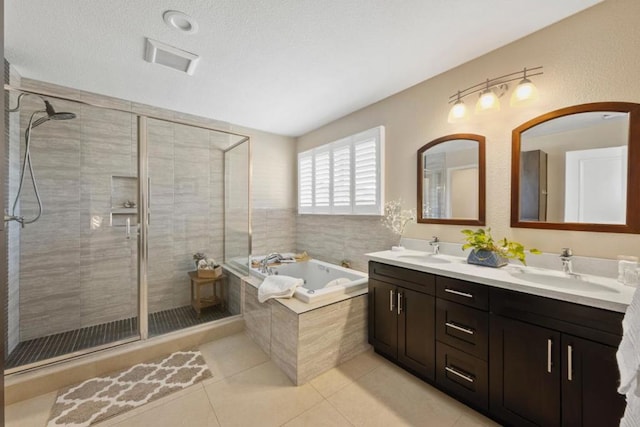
272, 257
566, 256
435, 244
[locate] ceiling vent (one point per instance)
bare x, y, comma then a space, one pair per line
160, 53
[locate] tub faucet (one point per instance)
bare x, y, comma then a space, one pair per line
272, 257
435, 244
566, 256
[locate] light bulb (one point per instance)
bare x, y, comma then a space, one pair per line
524, 94
488, 102
458, 112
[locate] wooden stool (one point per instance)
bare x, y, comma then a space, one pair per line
199, 302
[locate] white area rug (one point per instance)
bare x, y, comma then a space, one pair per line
99, 398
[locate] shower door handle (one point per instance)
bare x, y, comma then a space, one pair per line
127, 228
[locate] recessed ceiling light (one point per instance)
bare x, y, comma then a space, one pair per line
180, 21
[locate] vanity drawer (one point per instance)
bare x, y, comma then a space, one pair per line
467, 293
463, 327
462, 375
411, 279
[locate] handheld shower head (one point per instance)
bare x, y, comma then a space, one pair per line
53, 115
51, 112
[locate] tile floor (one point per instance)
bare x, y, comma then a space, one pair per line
247, 389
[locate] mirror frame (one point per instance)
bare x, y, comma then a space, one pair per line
481, 181
633, 171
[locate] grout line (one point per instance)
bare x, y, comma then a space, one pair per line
211, 404
340, 412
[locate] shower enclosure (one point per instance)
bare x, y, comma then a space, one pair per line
126, 199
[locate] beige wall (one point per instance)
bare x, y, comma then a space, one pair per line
592, 56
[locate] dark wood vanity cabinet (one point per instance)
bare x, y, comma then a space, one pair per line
462, 336
524, 360
525, 373
553, 363
401, 317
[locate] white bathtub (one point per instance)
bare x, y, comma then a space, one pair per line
316, 275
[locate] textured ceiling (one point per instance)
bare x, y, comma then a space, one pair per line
283, 66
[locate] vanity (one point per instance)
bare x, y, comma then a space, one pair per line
526, 352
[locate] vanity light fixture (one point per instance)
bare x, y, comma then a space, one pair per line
458, 112
488, 100
492, 89
525, 93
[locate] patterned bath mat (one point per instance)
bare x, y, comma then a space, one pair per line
99, 398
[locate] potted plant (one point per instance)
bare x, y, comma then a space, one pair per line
490, 253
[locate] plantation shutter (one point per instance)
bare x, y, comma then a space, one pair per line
344, 177
305, 182
365, 165
322, 185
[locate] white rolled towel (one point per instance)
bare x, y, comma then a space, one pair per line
277, 286
337, 282
628, 356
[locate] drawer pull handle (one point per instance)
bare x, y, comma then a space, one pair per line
459, 374
391, 307
462, 294
460, 328
570, 363
549, 346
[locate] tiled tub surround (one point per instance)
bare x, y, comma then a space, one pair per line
344, 237
305, 340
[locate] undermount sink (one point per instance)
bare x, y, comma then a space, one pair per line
563, 282
426, 258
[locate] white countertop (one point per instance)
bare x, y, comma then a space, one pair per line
617, 298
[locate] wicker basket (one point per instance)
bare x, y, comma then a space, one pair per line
210, 274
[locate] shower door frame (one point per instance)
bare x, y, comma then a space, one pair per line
143, 223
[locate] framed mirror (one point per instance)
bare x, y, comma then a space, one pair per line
451, 180
577, 169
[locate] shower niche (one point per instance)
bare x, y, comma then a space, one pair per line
124, 201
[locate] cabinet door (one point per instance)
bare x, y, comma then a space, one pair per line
416, 331
589, 382
383, 318
524, 373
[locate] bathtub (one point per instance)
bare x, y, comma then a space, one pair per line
316, 275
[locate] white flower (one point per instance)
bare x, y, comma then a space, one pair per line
396, 219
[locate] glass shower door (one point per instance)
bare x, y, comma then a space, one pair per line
73, 273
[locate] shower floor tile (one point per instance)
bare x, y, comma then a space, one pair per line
161, 322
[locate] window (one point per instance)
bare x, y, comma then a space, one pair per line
343, 177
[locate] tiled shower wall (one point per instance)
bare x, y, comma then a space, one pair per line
75, 269
186, 207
